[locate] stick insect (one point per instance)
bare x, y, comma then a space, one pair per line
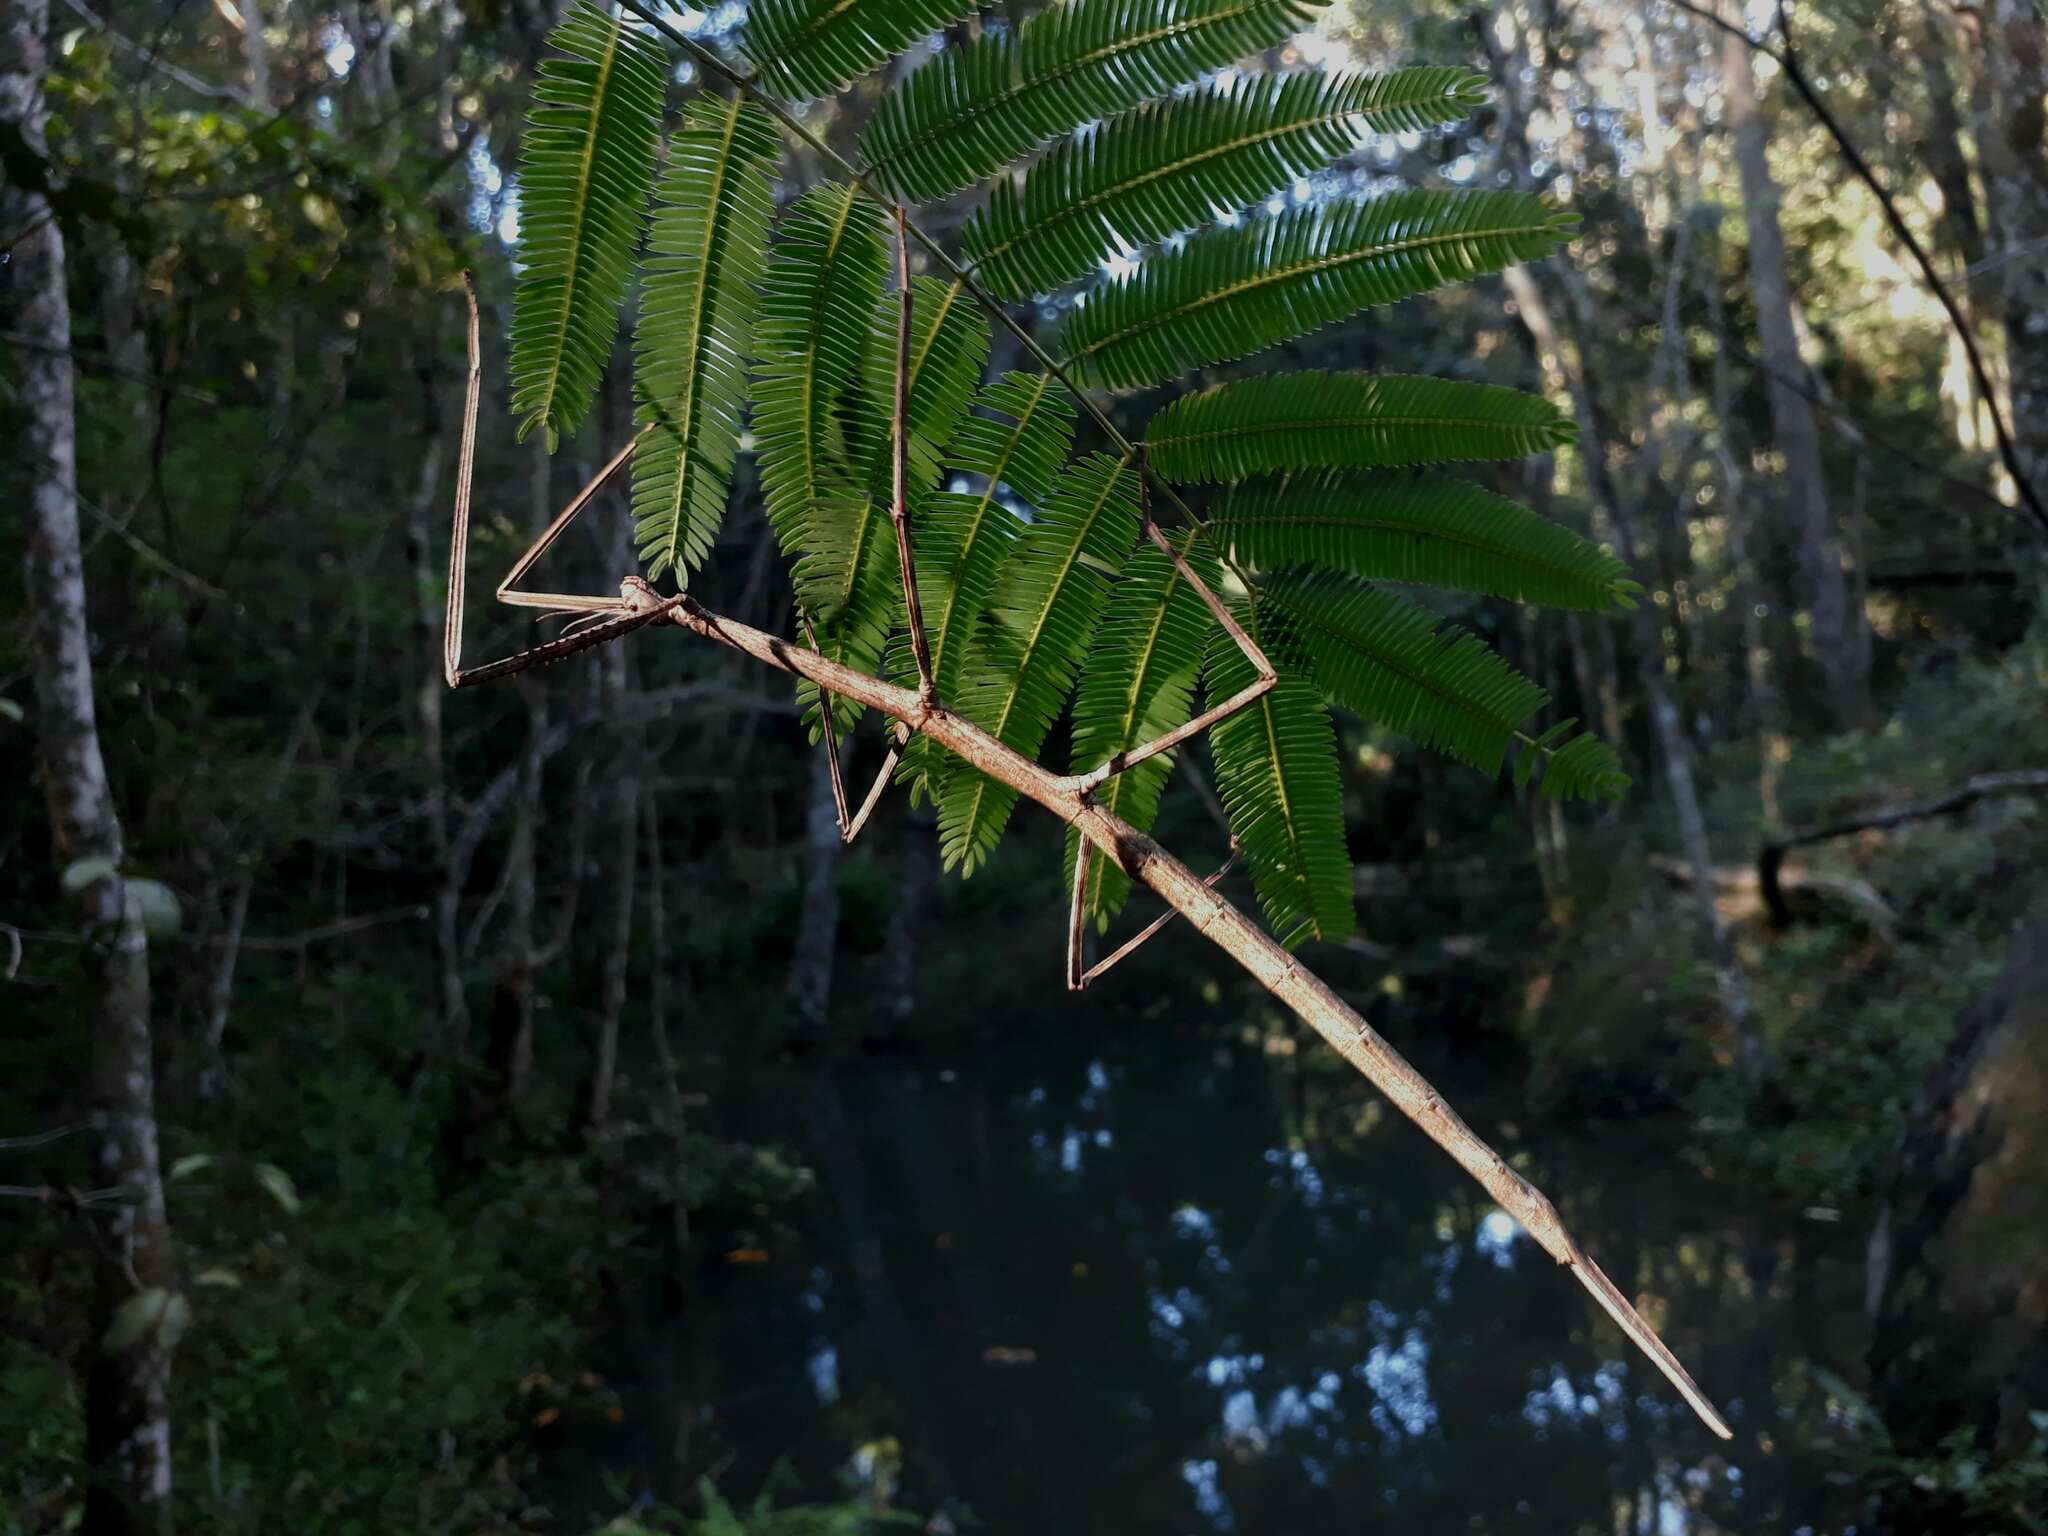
637, 605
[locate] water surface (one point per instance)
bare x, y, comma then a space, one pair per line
1155, 1282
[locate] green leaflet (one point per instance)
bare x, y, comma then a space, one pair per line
584, 173
1231, 292
1387, 660
1023, 657
707, 255
1276, 771
1314, 420
1013, 442
1016, 437
1137, 682
1421, 529
850, 578
973, 109
1172, 165
814, 47
817, 305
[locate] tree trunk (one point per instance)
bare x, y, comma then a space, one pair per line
674, 1120
917, 866
1957, 1276
1673, 747
1773, 746
2015, 166
817, 932
1840, 637
128, 1427
423, 677
623, 871
510, 1030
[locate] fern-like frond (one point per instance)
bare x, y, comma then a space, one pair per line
1175, 165
1312, 420
1231, 292
849, 578
584, 175
1016, 437
707, 253
1422, 529
1582, 768
817, 306
1022, 658
809, 48
1385, 659
949, 342
1137, 681
1276, 771
1011, 444
973, 109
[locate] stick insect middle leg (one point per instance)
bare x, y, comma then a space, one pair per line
614, 615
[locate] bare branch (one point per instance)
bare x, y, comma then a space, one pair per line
1787, 59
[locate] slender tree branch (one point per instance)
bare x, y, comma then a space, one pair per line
1771, 857
1787, 59
899, 506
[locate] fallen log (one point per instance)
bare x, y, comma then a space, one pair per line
1771, 858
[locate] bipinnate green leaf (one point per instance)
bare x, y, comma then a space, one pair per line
1230, 292
808, 48
707, 255
1174, 165
1423, 529
1311, 420
974, 108
1023, 657
1137, 682
584, 175
1276, 772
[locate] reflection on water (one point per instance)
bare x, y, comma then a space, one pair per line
1156, 1283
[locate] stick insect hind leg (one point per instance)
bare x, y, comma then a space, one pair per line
899, 517
612, 616
1078, 978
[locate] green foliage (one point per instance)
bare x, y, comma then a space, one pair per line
708, 247
814, 47
1023, 658
1136, 684
816, 310
1962, 1485
1025, 568
850, 577
1228, 293
1385, 659
584, 175
1442, 533
1276, 770
1308, 421
975, 108
1170, 166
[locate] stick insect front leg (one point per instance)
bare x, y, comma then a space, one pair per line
624, 616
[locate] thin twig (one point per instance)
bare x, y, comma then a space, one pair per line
1787, 59
899, 506
39, 1138
148, 56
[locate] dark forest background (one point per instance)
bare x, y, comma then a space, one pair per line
457, 1001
